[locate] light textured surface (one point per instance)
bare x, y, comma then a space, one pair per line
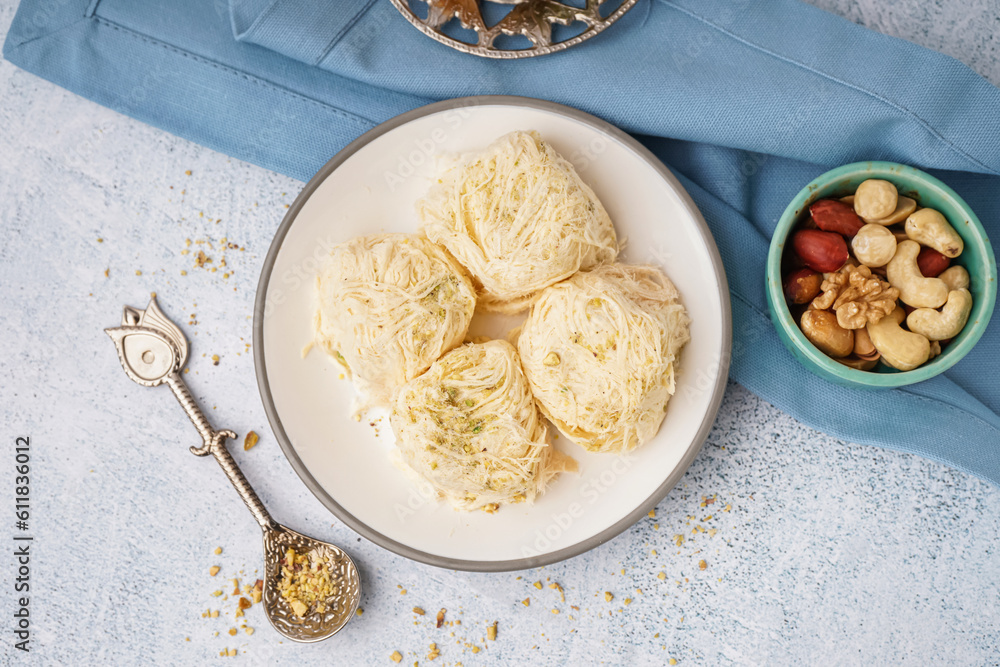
822, 551
968, 30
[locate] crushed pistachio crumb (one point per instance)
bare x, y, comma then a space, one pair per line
250, 440
305, 581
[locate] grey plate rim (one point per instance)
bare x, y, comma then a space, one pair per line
517, 563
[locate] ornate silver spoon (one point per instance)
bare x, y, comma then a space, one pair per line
152, 350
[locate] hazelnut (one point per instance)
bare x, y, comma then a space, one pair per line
875, 199
802, 286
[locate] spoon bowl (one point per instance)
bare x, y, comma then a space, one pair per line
341, 605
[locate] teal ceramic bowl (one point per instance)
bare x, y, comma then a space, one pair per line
977, 258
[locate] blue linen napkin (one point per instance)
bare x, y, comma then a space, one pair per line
745, 100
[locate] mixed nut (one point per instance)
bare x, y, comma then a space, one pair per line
866, 293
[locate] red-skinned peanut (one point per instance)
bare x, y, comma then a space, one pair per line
821, 251
931, 263
831, 215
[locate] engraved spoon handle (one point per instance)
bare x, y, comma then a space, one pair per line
215, 444
191, 408
237, 479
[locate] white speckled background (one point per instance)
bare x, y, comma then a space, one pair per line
829, 553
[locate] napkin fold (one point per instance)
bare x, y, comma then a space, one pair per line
745, 100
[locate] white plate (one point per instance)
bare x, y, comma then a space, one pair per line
371, 187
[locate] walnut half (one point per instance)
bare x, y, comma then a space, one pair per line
857, 296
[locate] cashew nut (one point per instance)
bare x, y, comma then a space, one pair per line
930, 228
904, 207
899, 348
904, 274
955, 277
873, 245
849, 200
944, 323
875, 199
